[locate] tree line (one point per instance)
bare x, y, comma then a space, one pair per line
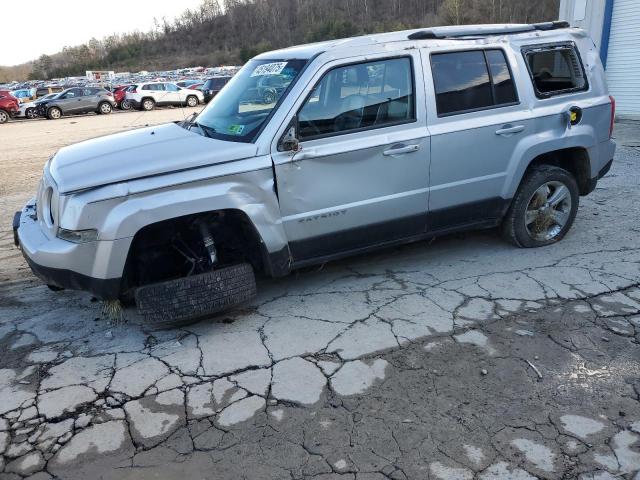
232, 31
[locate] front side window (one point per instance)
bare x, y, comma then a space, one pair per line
360, 96
240, 110
471, 80
74, 92
555, 69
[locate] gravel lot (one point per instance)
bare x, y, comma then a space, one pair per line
462, 358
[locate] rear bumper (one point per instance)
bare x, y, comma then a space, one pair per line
69, 265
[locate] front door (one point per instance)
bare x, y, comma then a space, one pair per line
476, 122
72, 102
361, 177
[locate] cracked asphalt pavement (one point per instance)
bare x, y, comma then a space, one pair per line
463, 358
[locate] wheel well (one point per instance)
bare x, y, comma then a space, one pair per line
575, 160
147, 98
159, 250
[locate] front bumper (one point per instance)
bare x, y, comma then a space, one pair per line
62, 264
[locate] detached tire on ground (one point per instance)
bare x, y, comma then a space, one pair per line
184, 300
543, 209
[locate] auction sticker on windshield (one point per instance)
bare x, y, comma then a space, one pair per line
236, 129
269, 69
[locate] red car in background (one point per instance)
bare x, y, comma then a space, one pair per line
119, 94
9, 106
196, 86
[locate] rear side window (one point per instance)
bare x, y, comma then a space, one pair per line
472, 80
555, 69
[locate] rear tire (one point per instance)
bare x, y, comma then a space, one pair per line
185, 300
192, 101
125, 105
4, 117
31, 113
104, 108
54, 113
532, 219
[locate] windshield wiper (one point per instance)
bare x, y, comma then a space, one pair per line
205, 129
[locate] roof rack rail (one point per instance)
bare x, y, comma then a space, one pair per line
480, 31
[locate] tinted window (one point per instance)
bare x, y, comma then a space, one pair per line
556, 69
366, 95
148, 87
503, 87
74, 92
473, 80
461, 81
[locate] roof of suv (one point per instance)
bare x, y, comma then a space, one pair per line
453, 35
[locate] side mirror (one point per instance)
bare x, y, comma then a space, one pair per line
289, 141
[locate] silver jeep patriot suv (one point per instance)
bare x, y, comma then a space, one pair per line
360, 144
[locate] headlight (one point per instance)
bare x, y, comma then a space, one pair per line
78, 236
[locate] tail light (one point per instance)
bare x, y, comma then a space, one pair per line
613, 115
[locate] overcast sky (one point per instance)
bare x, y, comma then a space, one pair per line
35, 27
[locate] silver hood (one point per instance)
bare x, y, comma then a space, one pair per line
139, 153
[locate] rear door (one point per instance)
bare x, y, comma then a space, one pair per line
361, 178
476, 121
90, 99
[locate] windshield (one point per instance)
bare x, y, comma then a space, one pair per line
240, 110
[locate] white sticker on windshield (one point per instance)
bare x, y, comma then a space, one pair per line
269, 69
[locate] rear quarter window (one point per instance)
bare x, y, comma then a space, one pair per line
555, 69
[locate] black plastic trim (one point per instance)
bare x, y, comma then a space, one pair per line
106, 289
16, 225
482, 214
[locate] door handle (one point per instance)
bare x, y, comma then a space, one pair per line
401, 149
509, 130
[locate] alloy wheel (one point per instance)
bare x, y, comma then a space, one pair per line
548, 211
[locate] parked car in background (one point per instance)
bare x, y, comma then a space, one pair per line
77, 100
30, 109
145, 96
9, 107
268, 89
187, 83
44, 91
120, 96
196, 86
212, 86
25, 95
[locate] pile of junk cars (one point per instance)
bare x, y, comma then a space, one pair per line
142, 91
